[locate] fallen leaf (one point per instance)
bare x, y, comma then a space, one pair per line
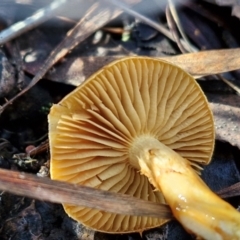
75, 70
208, 62
226, 111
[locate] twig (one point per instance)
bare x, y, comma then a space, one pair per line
45, 189
36, 19
60, 192
174, 14
173, 29
230, 84
231, 191
43, 147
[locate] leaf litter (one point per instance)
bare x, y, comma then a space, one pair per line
76, 66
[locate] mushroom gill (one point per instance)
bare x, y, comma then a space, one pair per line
98, 132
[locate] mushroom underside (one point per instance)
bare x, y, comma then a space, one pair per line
96, 130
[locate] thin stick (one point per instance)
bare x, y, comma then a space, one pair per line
231, 191
31, 22
174, 14
60, 192
230, 84
173, 29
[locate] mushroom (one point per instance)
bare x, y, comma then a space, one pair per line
136, 126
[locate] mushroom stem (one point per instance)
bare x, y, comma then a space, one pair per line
193, 204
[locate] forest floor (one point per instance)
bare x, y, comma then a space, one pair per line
183, 27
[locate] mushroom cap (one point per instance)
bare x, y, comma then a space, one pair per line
92, 130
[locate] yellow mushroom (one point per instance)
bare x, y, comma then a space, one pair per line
140, 115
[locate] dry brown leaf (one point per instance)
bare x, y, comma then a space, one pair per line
75, 70
226, 111
208, 62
